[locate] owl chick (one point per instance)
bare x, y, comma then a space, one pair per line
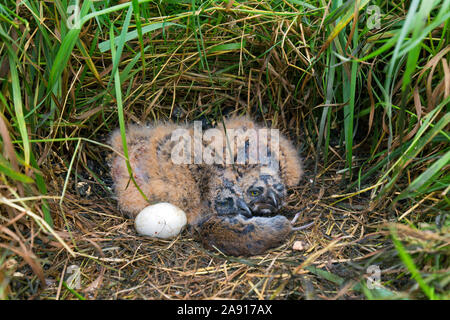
195, 188
263, 180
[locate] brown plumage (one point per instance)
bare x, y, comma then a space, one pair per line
158, 179
215, 197
195, 188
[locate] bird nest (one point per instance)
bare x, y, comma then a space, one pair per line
100, 255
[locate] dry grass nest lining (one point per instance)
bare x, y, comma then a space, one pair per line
117, 263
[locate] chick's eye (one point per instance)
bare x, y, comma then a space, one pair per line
254, 192
228, 202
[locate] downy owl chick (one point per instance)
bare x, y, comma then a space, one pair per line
265, 174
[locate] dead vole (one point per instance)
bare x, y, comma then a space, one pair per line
241, 236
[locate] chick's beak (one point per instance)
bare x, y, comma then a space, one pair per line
273, 197
243, 208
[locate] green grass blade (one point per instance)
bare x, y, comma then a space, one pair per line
227, 47
6, 169
326, 113
379, 292
121, 118
65, 50
349, 9
303, 4
137, 14
410, 265
349, 109
426, 177
394, 66
71, 290
416, 145
69, 170
121, 42
18, 107
106, 45
40, 182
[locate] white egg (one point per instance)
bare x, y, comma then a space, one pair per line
162, 220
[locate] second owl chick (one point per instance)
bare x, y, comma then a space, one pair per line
264, 185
